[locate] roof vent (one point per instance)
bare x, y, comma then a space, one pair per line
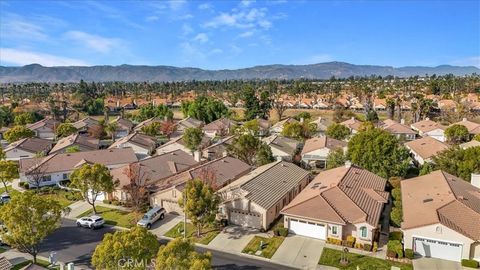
428, 200
461, 198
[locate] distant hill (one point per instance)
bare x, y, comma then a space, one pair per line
129, 73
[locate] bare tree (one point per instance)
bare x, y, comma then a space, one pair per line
136, 189
278, 104
37, 173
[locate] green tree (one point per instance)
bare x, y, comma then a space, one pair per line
299, 131
2, 153
153, 129
8, 172
337, 131
459, 162
426, 168
371, 116
72, 149
252, 127
251, 103
137, 245
180, 254
396, 215
477, 137
250, 150
148, 111
265, 104
92, 180
379, 152
111, 128
457, 134
24, 118
192, 138
336, 158
306, 116
65, 130
94, 106
206, 109
29, 218
18, 132
200, 203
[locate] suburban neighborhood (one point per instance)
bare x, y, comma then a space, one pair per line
207, 154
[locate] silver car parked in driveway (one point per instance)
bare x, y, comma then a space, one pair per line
154, 214
91, 222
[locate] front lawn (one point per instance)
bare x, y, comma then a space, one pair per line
331, 257
207, 234
41, 263
2, 249
64, 197
113, 216
270, 245
11, 191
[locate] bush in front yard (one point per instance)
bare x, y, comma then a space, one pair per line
395, 246
280, 231
367, 247
409, 253
359, 245
334, 241
395, 236
375, 246
469, 263
391, 254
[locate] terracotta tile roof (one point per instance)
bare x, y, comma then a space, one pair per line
223, 170
32, 145
139, 139
267, 184
322, 142
311, 206
440, 197
86, 122
156, 168
473, 128
426, 147
396, 128
5, 264
426, 125
355, 194
67, 161
123, 124
219, 125
286, 145
47, 122
352, 123
83, 141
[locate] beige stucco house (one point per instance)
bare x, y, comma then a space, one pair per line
441, 216
339, 202
255, 199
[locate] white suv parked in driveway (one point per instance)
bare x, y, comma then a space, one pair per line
91, 222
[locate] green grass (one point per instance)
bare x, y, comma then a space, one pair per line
58, 195
2, 250
12, 191
113, 216
270, 245
331, 257
39, 263
206, 234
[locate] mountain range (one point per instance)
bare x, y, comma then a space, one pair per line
133, 73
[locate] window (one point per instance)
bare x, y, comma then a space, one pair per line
65, 176
47, 178
363, 232
334, 230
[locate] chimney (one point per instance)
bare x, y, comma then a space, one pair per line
353, 117
428, 118
348, 164
197, 156
464, 119
475, 180
402, 121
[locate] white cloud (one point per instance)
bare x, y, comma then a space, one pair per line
94, 42
22, 57
205, 6
190, 52
201, 37
246, 3
216, 51
17, 27
152, 18
176, 4
186, 29
246, 34
241, 19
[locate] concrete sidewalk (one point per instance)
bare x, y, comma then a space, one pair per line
300, 252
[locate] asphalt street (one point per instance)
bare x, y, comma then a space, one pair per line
73, 244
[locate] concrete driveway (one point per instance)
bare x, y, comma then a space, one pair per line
161, 227
233, 238
435, 264
299, 252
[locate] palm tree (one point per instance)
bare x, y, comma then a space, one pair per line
111, 128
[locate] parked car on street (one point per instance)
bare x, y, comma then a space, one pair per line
154, 214
4, 198
91, 222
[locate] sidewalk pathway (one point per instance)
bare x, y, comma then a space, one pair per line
80, 207
16, 185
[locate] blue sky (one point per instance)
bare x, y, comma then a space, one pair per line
235, 34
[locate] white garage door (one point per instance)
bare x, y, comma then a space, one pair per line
309, 229
438, 249
245, 219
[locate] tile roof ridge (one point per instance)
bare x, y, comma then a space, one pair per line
43, 161
341, 189
331, 205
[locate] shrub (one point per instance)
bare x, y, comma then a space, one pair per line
409, 253
375, 246
367, 247
115, 202
282, 231
469, 263
334, 241
107, 201
395, 236
347, 243
395, 246
351, 238
391, 254
359, 245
